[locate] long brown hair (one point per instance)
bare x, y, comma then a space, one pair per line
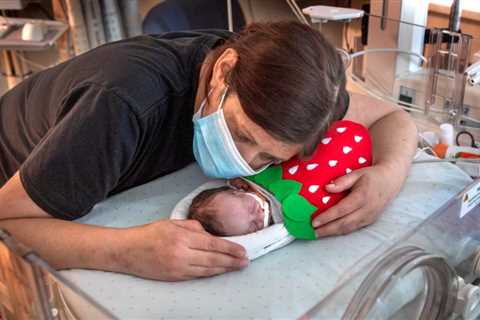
290, 80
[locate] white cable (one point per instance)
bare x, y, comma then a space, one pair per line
297, 11
348, 60
455, 160
385, 96
300, 12
404, 105
294, 11
470, 119
361, 53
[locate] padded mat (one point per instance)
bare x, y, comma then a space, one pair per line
282, 284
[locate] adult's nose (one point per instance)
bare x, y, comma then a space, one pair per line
248, 155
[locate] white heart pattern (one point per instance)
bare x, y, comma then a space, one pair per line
341, 130
312, 166
348, 170
346, 149
358, 139
362, 160
326, 140
325, 199
332, 163
313, 188
293, 170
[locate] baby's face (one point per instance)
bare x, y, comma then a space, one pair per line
237, 212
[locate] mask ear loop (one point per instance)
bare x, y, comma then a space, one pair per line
222, 99
204, 103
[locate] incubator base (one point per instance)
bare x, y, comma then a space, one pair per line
282, 284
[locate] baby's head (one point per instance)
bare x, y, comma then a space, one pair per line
226, 211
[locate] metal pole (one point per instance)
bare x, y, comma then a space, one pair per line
455, 15
230, 16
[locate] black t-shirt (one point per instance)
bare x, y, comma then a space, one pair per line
113, 118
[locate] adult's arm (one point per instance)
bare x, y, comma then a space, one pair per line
394, 137
163, 250
76, 165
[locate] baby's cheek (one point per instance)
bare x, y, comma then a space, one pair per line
240, 205
244, 209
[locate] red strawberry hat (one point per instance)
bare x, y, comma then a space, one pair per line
299, 185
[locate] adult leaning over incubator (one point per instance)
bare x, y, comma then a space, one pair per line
121, 115
292, 193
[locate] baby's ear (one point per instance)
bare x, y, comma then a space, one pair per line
239, 184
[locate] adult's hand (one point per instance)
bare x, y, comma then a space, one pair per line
394, 138
173, 250
163, 250
371, 190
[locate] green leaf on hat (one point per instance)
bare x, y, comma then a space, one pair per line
300, 230
267, 176
283, 188
297, 208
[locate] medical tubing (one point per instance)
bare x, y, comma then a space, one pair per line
404, 105
456, 160
395, 20
297, 12
348, 59
374, 50
361, 53
441, 284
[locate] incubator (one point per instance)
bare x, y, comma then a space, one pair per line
419, 256
31, 289
431, 273
420, 260
321, 276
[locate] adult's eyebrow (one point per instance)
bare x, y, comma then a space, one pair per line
242, 133
249, 137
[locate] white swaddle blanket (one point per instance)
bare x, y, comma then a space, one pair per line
257, 243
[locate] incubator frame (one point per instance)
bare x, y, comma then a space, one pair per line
31, 289
450, 273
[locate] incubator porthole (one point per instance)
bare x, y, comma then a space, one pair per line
387, 292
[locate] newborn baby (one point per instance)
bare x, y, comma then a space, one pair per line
293, 192
232, 210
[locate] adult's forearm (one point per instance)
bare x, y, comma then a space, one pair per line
394, 140
65, 244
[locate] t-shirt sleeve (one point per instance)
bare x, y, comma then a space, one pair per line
83, 156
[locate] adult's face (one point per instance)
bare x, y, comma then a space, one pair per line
255, 144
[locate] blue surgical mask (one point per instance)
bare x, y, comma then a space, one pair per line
214, 148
